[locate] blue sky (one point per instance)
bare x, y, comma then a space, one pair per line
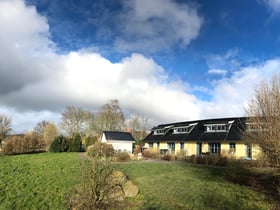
169, 60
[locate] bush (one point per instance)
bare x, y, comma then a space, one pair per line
122, 156
168, 157
29, 143
74, 145
100, 149
151, 154
59, 144
181, 155
237, 172
90, 140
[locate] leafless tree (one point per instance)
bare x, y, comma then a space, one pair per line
5, 127
263, 124
138, 126
74, 120
40, 127
110, 117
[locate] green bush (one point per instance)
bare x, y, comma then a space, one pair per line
74, 145
60, 144
90, 140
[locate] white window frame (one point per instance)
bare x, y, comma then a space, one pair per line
211, 128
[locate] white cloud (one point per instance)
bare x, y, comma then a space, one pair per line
274, 5
36, 83
217, 71
156, 25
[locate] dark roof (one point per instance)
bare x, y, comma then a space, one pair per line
198, 132
116, 135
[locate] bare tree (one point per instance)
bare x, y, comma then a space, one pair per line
263, 124
110, 117
40, 127
138, 126
74, 120
5, 127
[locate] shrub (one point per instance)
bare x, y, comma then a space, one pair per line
181, 155
100, 149
29, 143
74, 145
168, 157
59, 144
122, 156
90, 140
151, 154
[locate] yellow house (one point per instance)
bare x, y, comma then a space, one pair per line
211, 136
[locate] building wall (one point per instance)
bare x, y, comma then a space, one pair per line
190, 147
122, 146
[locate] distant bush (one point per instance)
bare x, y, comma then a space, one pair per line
100, 149
29, 143
74, 145
151, 154
122, 156
168, 157
90, 140
59, 144
210, 159
181, 155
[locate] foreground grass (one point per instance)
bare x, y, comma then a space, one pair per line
44, 181
185, 186
39, 181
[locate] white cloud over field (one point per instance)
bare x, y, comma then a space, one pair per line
36, 83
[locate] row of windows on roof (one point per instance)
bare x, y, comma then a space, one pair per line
187, 129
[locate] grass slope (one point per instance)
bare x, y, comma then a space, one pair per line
185, 186
39, 181
44, 181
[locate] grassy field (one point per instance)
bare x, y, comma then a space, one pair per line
185, 186
39, 181
44, 181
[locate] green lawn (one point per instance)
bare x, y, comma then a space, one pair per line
185, 186
44, 181
39, 181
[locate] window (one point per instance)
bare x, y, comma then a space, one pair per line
182, 146
171, 147
232, 148
159, 131
150, 145
182, 130
214, 148
216, 127
158, 145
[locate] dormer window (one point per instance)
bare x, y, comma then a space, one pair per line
159, 132
180, 130
216, 127
184, 129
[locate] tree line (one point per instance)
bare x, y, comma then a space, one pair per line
78, 121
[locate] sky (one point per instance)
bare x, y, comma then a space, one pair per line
167, 60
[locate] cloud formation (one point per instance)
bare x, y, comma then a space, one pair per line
274, 5
161, 24
36, 83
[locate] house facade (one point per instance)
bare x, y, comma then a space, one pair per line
121, 141
211, 136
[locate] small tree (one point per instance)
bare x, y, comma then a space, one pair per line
49, 134
5, 127
263, 124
